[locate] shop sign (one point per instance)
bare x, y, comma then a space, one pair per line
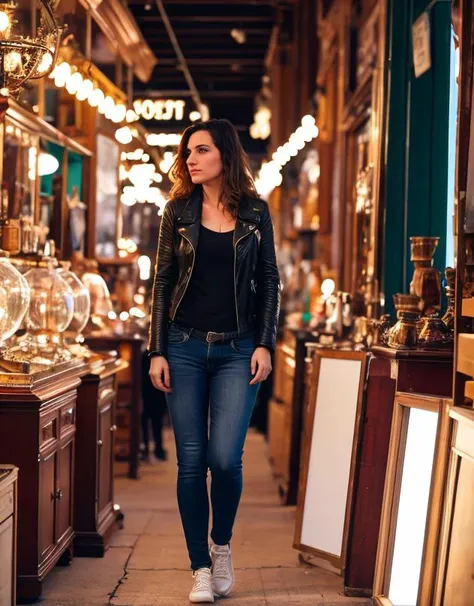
421, 45
160, 109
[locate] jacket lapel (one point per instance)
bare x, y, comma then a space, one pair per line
190, 218
247, 220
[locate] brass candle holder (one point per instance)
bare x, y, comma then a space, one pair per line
426, 281
404, 335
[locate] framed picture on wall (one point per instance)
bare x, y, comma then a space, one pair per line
330, 444
107, 196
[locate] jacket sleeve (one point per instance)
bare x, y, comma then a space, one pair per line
268, 285
162, 285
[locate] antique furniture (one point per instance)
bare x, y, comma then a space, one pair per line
8, 524
330, 444
37, 433
129, 400
94, 514
417, 437
369, 478
286, 412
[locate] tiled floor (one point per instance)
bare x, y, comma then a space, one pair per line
147, 564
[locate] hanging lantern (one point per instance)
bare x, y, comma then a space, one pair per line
23, 57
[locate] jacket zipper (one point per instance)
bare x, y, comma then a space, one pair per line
190, 270
235, 278
252, 286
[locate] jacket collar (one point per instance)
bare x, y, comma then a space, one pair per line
192, 210
190, 217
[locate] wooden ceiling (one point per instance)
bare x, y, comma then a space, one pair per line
227, 74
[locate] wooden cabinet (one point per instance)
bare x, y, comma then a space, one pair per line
94, 479
129, 397
8, 523
286, 412
37, 434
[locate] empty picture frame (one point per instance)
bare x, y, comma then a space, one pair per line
329, 450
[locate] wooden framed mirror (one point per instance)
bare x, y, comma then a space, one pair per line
411, 512
330, 444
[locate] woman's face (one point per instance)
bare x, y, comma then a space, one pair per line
203, 160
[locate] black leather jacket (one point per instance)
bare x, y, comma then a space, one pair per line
256, 279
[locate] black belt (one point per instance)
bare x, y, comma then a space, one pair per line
216, 337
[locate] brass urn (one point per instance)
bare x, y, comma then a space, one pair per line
426, 281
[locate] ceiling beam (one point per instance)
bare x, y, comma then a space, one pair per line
184, 93
204, 2
214, 61
233, 19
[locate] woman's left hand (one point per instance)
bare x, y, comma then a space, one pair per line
261, 365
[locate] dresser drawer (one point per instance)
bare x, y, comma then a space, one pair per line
67, 417
48, 432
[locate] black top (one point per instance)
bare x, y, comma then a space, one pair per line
209, 302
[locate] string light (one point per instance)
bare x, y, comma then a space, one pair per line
270, 175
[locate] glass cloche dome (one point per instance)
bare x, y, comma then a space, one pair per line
82, 308
14, 298
50, 312
101, 304
82, 300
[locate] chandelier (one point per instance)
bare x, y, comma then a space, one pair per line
23, 57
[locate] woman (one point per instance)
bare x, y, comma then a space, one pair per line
213, 329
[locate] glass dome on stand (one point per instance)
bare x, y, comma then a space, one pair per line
14, 302
73, 336
101, 304
50, 312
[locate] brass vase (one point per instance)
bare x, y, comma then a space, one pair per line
426, 281
404, 335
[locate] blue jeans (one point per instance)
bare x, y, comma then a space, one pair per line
209, 382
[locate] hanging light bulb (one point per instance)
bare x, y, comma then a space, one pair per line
47, 164
5, 21
73, 83
119, 112
96, 97
85, 89
61, 74
124, 135
13, 62
45, 63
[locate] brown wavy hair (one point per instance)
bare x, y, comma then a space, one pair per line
237, 177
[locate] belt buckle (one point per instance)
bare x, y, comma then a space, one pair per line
212, 337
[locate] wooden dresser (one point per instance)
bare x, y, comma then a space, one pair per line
286, 411
8, 524
37, 434
94, 516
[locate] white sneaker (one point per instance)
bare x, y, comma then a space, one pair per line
223, 578
202, 588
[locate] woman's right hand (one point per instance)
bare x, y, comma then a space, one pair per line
160, 373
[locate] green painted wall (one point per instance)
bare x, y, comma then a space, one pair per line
417, 141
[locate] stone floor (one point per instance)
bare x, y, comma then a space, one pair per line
147, 563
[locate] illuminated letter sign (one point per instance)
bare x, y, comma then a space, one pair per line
160, 109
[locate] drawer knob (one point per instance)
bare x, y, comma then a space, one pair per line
113, 428
100, 443
57, 495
